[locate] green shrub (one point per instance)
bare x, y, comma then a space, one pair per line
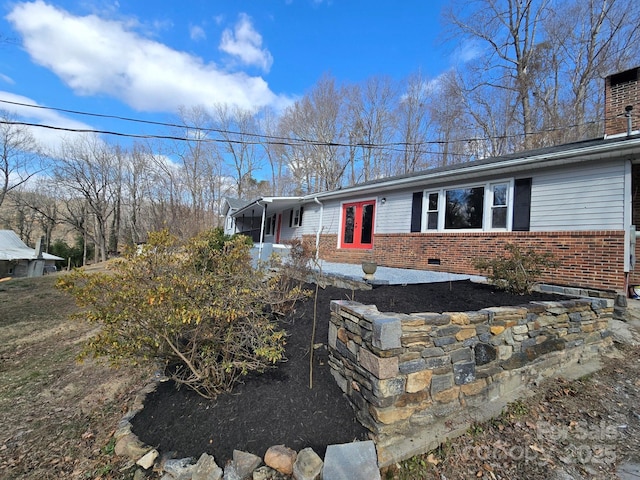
518, 271
199, 309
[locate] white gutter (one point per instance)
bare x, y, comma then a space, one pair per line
264, 212
319, 231
264, 199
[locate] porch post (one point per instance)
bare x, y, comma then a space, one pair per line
264, 212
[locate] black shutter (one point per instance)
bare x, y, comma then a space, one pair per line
291, 218
416, 212
522, 205
300, 219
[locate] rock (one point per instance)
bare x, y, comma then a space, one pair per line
230, 472
207, 469
148, 459
308, 465
242, 466
280, 458
418, 381
386, 332
464, 372
622, 333
268, 473
484, 353
180, 469
351, 461
129, 446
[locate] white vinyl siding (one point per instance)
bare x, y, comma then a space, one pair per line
330, 218
286, 232
586, 198
394, 216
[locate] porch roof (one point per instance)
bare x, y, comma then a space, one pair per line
271, 203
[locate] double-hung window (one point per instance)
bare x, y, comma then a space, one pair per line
499, 205
432, 210
295, 217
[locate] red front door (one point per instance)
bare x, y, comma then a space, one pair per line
357, 224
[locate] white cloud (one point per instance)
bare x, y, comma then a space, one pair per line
50, 137
246, 44
96, 56
6, 79
467, 51
197, 33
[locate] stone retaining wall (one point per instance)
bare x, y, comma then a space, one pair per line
416, 380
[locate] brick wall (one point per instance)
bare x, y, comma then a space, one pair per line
588, 259
620, 90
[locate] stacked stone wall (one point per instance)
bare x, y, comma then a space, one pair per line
415, 380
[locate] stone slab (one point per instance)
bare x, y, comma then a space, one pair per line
629, 470
386, 333
351, 461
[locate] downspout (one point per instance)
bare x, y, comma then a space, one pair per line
264, 213
319, 231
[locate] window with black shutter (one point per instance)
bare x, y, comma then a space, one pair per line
416, 212
521, 205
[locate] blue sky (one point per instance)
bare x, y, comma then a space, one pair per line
145, 59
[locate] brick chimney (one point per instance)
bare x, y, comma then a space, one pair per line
621, 91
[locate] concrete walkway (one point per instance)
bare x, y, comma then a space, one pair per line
393, 276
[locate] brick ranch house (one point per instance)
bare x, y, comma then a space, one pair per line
575, 200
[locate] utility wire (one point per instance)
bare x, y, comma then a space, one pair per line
260, 138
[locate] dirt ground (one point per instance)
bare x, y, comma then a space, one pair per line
58, 416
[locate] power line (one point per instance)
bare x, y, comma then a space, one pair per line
260, 138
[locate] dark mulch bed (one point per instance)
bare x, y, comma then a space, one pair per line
278, 407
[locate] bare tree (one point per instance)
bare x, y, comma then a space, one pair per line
548, 59
273, 149
38, 203
195, 154
169, 198
588, 40
22, 219
136, 177
414, 123
316, 128
88, 170
238, 145
371, 126
19, 155
507, 32
451, 120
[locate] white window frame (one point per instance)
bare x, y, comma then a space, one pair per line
487, 207
296, 218
270, 225
426, 211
